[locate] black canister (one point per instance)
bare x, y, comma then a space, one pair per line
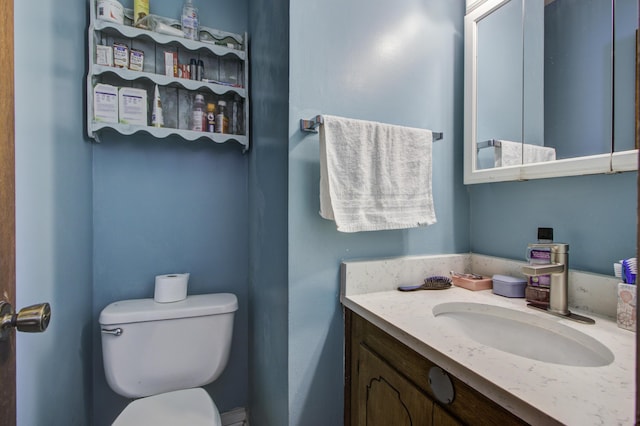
200, 70
193, 69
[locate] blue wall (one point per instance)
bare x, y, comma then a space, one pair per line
499, 75
162, 206
268, 218
627, 15
53, 212
399, 64
100, 221
595, 215
533, 73
578, 44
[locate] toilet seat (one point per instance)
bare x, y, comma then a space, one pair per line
191, 407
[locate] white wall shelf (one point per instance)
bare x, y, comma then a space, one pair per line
162, 80
225, 58
126, 31
164, 132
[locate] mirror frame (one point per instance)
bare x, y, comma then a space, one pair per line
613, 162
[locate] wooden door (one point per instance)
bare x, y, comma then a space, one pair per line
386, 397
7, 212
442, 418
638, 217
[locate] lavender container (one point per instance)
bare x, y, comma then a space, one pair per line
507, 286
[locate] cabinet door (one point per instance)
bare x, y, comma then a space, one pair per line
443, 418
386, 397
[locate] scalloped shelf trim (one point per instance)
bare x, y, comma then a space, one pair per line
212, 32
220, 35
163, 80
164, 132
132, 32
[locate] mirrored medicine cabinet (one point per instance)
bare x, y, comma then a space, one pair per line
550, 88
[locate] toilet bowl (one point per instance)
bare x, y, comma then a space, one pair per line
191, 407
161, 353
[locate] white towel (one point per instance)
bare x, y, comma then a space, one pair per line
538, 154
510, 154
375, 176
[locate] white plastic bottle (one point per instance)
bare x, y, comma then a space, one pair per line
190, 20
198, 114
157, 120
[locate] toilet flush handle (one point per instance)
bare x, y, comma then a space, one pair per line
114, 331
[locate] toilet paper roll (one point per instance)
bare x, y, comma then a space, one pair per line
171, 288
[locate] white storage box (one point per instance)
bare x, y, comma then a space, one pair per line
132, 106
105, 103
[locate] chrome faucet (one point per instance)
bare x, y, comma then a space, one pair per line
559, 286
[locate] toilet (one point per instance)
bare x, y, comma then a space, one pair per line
161, 353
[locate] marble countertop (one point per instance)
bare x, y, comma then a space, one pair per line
538, 392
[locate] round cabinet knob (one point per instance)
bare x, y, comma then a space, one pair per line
32, 319
441, 385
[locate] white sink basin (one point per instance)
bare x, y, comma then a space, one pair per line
523, 334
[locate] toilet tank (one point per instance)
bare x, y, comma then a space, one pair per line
150, 348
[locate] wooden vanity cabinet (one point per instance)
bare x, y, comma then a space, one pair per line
387, 383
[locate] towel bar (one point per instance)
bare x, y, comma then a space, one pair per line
311, 126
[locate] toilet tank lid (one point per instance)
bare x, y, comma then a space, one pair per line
140, 310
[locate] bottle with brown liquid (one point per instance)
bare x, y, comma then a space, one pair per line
211, 118
222, 119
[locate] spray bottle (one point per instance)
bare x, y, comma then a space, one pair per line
190, 20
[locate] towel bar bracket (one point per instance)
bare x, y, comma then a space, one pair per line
488, 143
311, 125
